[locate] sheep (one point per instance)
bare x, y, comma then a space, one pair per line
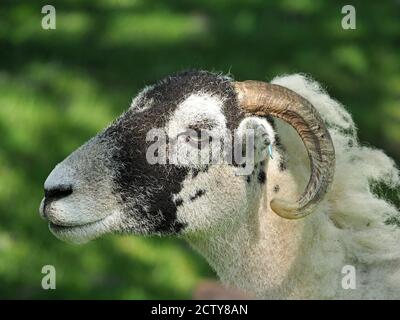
285, 231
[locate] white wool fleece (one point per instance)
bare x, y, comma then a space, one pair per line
303, 259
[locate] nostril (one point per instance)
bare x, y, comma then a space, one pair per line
59, 192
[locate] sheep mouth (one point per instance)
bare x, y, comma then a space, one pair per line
61, 227
80, 233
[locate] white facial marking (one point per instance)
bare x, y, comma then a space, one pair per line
215, 208
201, 111
197, 108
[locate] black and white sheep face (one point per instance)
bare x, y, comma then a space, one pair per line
109, 184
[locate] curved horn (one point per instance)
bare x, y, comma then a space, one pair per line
262, 99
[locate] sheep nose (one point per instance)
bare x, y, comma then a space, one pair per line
52, 194
58, 192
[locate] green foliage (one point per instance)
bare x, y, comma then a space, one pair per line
386, 192
59, 87
389, 193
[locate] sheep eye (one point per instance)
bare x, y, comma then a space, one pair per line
196, 138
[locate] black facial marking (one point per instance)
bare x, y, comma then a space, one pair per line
196, 171
248, 179
271, 121
178, 202
278, 142
261, 176
279, 146
198, 194
282, 165
276, 188
146, 191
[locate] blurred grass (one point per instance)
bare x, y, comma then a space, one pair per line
59, 87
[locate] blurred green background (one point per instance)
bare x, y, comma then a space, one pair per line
59, 87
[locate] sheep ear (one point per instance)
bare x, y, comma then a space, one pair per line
259, 133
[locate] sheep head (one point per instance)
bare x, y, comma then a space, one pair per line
109, 184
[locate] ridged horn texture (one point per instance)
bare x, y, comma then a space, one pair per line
260, 98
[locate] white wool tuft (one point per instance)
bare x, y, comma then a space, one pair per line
356, 213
